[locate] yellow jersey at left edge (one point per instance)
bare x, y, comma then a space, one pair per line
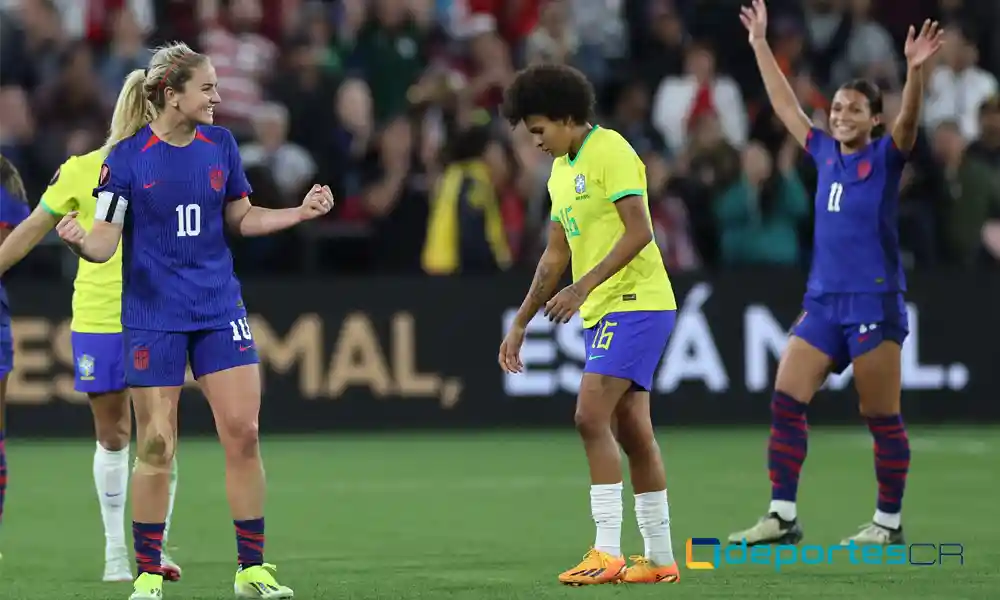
584, 191
97, 289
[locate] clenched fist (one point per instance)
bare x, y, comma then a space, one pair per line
317, 202
70, 230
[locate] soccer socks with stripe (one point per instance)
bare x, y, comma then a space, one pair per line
606, 508
786, 451
148, 538
111, 470
653, 514
892, 464
250, 542
3, 472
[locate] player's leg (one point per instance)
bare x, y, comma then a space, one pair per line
878, 379
649, 483
3, 442
100, 375
596, 402
621, 349
226, 365
6, 365
815, 349
154, 368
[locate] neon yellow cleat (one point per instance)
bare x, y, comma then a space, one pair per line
148, 587
259, 582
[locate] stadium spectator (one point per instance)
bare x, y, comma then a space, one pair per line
759, 215
958, 86
970, 199
679, 101
293, 168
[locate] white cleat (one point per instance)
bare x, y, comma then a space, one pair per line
117, 567
171, 571
872, 534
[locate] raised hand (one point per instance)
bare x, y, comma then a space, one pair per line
919, 48
754, 18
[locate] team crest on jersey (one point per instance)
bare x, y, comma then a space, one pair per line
580, 184
217, 179
864, 169
105, 175
85, 366
140, 359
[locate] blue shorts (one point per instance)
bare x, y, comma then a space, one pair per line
6, 344
100, 362
160, 358
629, 345
846, 326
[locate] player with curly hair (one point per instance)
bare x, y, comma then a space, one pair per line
600, 221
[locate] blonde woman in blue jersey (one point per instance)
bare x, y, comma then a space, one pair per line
98, 349
601, 222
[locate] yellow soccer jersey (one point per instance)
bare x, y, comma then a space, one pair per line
97, 291
583, 192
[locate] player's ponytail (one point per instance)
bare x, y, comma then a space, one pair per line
132, 110
11, 181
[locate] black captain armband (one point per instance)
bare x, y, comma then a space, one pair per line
111, 207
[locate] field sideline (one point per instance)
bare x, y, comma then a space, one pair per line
490, 516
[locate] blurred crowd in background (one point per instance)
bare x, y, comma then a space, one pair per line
394, 104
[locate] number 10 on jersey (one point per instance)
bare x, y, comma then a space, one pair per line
833, 200
188, 220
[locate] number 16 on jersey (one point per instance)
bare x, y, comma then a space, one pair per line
833, 200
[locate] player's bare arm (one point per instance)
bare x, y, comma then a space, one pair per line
97, 246
251, 221
779, 92
16, 244
918, 49
550, 269
638, 234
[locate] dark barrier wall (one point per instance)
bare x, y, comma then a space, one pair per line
394, 353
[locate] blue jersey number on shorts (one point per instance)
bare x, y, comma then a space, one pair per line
241, 330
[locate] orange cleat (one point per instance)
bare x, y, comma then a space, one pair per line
596, 568
644, 571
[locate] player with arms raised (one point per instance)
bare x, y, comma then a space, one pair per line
853, 311
97, 340
600, 219
13, 210
167, 193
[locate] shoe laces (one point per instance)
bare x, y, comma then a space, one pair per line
640, 561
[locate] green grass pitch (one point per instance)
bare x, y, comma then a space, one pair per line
489, 516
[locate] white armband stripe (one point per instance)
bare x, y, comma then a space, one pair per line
111, 207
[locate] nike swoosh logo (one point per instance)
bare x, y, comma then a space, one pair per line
245, 348
146, 186
113, 495
595, 357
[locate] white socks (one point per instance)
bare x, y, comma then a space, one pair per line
653, 514
170, 505
111, 473
888, 520
111, 470
785, 509
606, 508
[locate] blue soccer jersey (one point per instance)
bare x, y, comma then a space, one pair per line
177, 270
856, 247
12, 213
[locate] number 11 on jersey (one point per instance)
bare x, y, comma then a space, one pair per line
833, 200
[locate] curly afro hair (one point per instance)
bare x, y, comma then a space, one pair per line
556, 92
